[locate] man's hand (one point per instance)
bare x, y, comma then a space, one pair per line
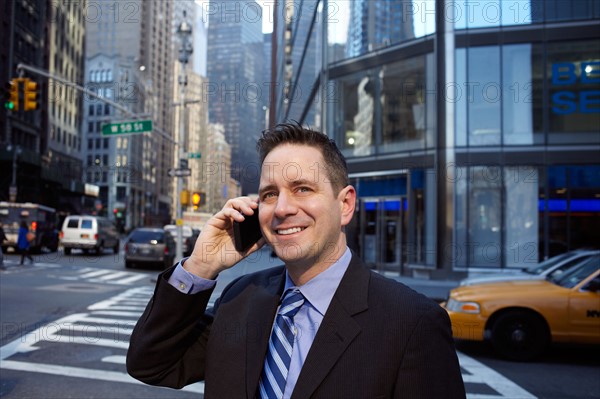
214, 250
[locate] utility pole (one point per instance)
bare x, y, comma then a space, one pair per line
184, 31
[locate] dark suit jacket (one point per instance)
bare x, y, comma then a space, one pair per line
378, 339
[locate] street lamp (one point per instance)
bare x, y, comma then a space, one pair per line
184, 32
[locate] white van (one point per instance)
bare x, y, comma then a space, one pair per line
88, 232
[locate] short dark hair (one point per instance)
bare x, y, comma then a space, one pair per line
294, 133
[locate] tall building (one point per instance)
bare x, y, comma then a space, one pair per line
200, 34
123, 166
471, 131
217, 180
377, 24
44, 143
236, 89
116, 163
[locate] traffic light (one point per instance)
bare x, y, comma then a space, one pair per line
119, 213
30, 95
196, 200
184, 197
12, 103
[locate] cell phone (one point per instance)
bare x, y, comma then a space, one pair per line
246, 233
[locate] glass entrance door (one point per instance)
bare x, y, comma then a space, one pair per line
381, 231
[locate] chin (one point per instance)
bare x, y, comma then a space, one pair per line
291, 252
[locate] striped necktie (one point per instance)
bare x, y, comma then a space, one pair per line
277, 362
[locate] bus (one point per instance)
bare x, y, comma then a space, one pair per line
41, 220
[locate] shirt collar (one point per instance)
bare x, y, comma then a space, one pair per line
320, 289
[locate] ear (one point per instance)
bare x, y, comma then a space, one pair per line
347, 197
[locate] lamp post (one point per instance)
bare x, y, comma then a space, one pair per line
184, 32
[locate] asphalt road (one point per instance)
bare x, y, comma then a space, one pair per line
65, 324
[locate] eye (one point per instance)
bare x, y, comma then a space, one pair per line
268, 195
304, 189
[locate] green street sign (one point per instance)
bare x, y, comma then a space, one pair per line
132, 127
194, 155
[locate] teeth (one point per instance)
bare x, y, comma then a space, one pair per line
290, 231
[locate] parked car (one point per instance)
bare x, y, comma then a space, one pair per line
522, 317
152, 246
187, 233
88, 233
550, 267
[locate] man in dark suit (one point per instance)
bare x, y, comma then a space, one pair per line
321, 326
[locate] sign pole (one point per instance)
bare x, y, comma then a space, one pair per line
180, 151
184, 31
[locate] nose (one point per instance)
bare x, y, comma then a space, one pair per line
286, 205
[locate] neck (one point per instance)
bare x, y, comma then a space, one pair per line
302, 271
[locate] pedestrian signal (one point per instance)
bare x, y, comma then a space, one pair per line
196, 200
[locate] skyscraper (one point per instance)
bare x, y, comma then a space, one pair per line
236, 89
377, 24
136, 48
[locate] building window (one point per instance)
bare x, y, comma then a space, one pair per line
403, 105
353, 115
422, 226
573, 73
483, 93
570, 203
521, 222
91, 110
517, 95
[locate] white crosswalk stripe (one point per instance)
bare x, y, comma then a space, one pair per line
105, 276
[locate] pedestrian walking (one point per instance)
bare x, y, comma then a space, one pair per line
321, 326
2, 239
23, 242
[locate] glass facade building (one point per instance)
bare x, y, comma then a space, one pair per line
471, 129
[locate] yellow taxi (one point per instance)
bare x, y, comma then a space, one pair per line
521, 318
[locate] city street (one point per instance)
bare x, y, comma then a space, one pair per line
66, 321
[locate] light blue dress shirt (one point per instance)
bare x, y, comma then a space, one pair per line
318, 293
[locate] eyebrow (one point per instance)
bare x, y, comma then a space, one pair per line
294, 183
268, 187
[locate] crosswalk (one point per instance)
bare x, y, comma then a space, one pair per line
107, 276
83, 274
107, 324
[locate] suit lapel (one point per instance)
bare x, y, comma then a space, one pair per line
258, 329
338, 329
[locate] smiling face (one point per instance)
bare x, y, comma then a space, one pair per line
301, 215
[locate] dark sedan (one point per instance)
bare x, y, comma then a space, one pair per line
149, 246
